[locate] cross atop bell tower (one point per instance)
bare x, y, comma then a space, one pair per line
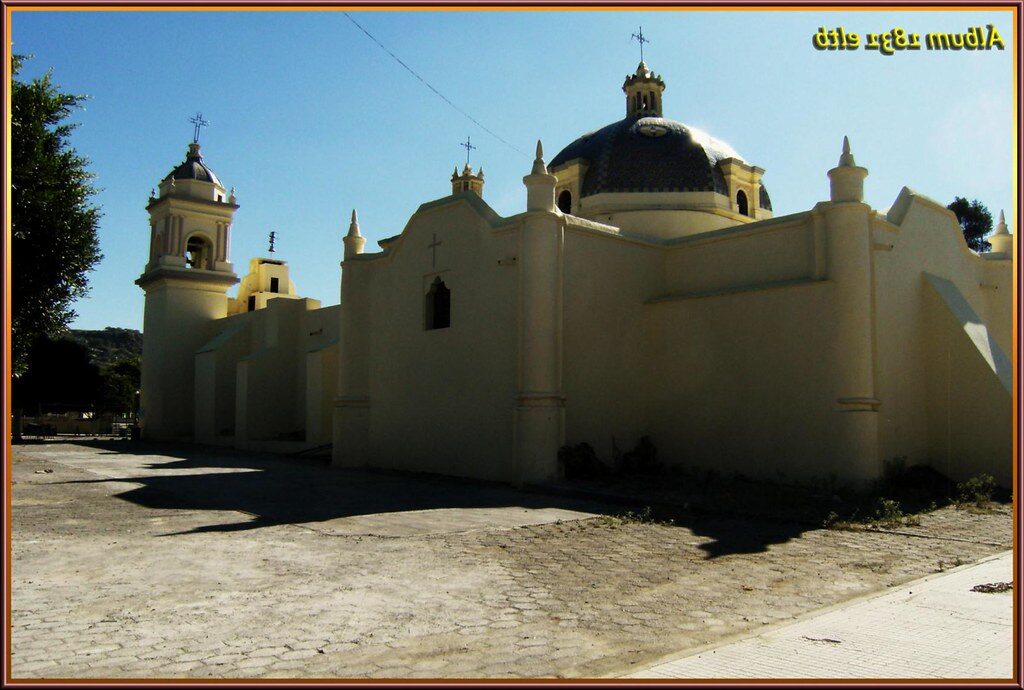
468, 181
469, 147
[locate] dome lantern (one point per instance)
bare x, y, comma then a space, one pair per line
643, 91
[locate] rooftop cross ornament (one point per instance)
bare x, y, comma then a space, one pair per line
199, 122
273, 236
641, 39
467, 146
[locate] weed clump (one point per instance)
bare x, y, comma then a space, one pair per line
889, 515
643, 459
644, 516
580, 462
976, 491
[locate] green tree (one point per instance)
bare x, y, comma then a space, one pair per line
59, 377
120, 381
975, 221
53, 222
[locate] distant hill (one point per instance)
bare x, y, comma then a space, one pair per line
109, 346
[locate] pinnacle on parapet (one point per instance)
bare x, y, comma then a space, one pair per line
539, 168
353, 226
847, 158
1001, 225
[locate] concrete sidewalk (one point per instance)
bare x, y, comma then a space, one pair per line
935, 627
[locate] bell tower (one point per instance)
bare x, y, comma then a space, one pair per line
185, 280
468, 181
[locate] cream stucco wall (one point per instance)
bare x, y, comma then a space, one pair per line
273, 369
806, 347
607, 350
271, 379
216, 384
662, 215
945, 400
968, 390
179, 313
742, 382
256, 286
441, 400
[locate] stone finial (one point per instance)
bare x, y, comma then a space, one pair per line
846, 180
540, 185
846, 160
1001, 225
1001, 240
353, 226
480, 174
539, 168
152, 192
354, 241
231, 196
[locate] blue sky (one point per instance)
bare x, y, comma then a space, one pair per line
309, 118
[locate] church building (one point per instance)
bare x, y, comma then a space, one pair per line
646, 290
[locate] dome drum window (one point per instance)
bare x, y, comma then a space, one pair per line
741, 203
565, 201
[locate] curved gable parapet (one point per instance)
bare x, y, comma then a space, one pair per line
483, 209
391, 245
911, 208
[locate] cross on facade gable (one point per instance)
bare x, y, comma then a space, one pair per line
639, 37
467, 146
199, 122
433, 251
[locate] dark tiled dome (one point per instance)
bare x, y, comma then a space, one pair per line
650, 154
193, 168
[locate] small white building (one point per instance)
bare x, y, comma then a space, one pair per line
646, 290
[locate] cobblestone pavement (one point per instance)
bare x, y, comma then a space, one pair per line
141, 561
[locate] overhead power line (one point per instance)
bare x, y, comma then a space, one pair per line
430, 86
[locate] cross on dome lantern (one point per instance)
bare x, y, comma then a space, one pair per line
199, 122
641, 39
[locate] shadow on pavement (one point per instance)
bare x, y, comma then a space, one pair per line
278, 489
